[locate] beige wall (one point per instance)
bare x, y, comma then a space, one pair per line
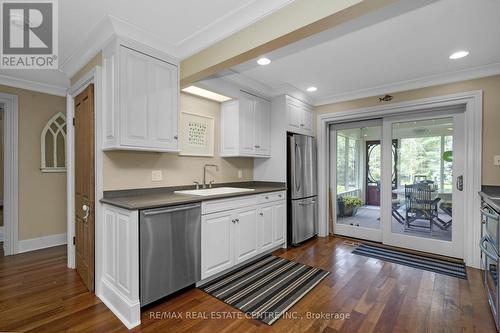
128, 170
491, 114
95, 61
42, 196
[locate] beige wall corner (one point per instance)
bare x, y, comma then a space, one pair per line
130, 170
491, 114
95, 61
42, 196
301, 19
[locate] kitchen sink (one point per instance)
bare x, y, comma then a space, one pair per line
214, 191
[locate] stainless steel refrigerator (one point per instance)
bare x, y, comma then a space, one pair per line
302, 188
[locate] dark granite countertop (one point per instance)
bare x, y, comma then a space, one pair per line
491, 195
161, 197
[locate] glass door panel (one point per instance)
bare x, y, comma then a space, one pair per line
356, 177
423, 206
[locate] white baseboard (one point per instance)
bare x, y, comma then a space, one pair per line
127, 311
2, 233
33, 244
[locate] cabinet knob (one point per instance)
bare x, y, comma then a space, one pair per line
175, 137
233, 221
279, 195
267, 198
261, 214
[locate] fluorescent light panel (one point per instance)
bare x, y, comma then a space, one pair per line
206, 94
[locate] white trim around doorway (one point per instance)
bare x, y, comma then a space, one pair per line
473, 103
94, 76
11, 169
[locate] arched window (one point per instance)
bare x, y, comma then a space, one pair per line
53, 144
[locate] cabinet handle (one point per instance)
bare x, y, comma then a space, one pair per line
257, 146
233, 221
237, 220
175, 137
301, 125
267, 198
279, 195
261, 214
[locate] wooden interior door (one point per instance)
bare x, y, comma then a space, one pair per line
84, 185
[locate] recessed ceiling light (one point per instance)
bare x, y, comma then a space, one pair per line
459, 54
264, 61
312, 89
206, 94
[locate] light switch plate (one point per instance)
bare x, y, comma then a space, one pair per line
240, 174
156, 175
496, 160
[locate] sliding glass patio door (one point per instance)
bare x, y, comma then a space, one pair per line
398, 180
424, 207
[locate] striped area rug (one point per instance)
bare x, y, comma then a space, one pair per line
265, 289
432, 264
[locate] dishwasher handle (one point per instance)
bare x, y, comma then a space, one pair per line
170, 210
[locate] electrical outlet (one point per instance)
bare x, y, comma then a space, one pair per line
496, 160
156, 176
240, 174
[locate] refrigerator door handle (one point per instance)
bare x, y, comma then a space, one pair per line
298, 158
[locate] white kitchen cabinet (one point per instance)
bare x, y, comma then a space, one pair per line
299, 116
279, 222
217, 250
245, 127
265, 226
236, 230
245, 234
141, 98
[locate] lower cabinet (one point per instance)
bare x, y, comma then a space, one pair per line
231, 237
245, 235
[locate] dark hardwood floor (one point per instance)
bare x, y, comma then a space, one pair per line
39, 294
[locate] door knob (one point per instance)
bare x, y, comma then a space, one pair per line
86, 210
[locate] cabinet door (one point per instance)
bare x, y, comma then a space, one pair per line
247, 125
163, 104
216, 243
307, 120
279, 223
262, 126
134, 92
229, 132
294, 113
245, 236
265, 228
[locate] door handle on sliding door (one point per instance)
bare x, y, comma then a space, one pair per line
460, 183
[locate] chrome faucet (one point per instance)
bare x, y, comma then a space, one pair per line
205, 173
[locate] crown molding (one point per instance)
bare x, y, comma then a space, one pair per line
428, 81
227, 25
102, 33
32, 85
291, 90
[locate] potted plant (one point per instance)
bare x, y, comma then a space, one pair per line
351, 205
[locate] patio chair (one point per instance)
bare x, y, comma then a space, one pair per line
421, 206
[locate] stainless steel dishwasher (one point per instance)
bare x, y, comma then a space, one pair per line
170, 250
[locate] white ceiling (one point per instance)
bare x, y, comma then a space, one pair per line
183, 27
404, 52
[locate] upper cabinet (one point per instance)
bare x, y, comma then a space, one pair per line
141, 99
299, 116
245, 127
